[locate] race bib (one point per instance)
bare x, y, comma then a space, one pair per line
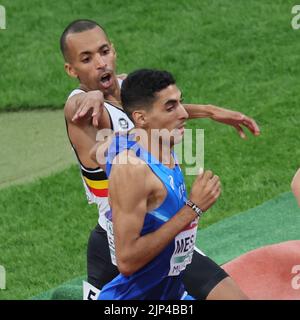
111, 242
184, 248
89, 291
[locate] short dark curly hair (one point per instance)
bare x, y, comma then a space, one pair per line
139, 88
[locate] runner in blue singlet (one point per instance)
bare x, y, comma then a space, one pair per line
161, 279
152, 228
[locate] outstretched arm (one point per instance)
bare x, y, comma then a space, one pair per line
226, 116
90, 105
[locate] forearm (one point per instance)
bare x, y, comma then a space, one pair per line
196, 111
74, 102
85, 105
145, 248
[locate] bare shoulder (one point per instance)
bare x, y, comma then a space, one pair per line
128, 164
130, 172
70, 105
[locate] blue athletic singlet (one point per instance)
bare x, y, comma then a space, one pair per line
161, 278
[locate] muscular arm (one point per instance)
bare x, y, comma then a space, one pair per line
129, 197
225, 116
196, 111
82, 131
86, 108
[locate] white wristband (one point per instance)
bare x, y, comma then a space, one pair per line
192, 205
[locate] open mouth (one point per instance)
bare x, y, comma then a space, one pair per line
106, 80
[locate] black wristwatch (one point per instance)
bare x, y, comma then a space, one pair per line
192, 205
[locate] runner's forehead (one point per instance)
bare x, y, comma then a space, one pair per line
170, 93
86, 41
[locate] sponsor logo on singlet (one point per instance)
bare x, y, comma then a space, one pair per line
171, 179
123, 123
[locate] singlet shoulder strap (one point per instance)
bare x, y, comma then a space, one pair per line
123, 142
120, 143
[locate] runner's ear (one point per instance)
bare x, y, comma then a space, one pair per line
139, 119
70, 70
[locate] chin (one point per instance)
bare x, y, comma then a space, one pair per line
109, 90
177, 139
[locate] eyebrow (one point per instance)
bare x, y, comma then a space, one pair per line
89, 52
170, 101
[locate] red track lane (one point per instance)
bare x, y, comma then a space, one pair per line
269, 273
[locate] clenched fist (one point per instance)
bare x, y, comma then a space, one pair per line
206, 190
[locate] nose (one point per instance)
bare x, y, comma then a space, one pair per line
182, 112
99, 61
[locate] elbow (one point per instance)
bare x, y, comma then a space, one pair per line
92, 153
98, 155
125, 271
129, 259
126, 266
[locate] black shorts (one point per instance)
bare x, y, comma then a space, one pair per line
200, 277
